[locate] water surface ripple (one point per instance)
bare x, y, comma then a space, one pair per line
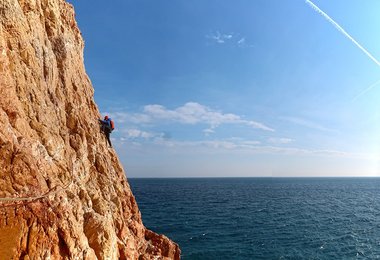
265, 218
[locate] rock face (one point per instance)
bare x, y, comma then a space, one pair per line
63, 192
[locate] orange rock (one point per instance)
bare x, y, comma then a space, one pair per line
51, 149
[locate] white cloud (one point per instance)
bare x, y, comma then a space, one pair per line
234, 38
123, 117
213, 145
136, 133
219, 37
208, 131
190, 113
280, 140
242, 43
250, 143
194, 113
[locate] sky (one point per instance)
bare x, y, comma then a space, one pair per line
242, 88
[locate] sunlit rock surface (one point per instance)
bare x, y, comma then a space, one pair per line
80, 205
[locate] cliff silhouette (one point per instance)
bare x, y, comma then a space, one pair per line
63, 192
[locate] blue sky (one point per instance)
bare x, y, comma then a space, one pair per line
236, 88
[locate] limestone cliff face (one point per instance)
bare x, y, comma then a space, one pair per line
63, 193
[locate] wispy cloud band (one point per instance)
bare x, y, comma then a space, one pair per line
244, 147
307, 123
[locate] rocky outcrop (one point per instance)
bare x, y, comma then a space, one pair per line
63, 192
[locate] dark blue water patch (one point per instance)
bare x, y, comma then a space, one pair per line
265, 218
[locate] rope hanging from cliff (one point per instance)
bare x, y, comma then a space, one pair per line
52, 191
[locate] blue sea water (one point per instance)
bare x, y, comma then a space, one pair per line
265, 218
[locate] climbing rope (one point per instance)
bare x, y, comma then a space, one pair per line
52, 191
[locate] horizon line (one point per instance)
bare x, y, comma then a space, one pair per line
258, 177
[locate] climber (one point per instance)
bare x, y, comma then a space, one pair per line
107, 126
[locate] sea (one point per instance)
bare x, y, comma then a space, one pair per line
264, 218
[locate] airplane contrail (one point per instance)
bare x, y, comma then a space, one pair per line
366, 90
339, 28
